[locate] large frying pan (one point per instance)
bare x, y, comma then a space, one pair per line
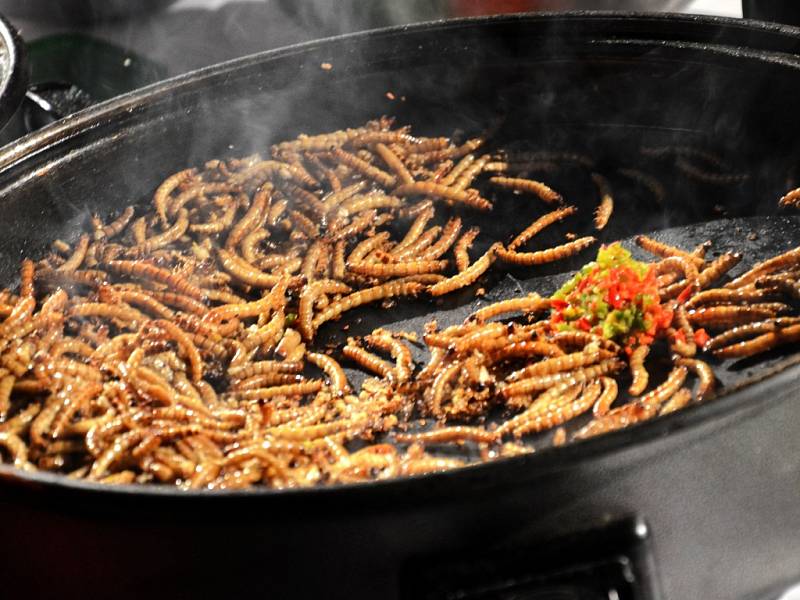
715, 484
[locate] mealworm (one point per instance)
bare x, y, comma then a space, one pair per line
704, 373
665, 250
687, 348
264, 367
640, 375
143, 270
439, 386
543, 191
448, 237
606, 205
162, 194
562, 412
198, 192
540, 382
366, 246
402, 355
540, 224
466, 277
462, 246
373, 200
363, 221
303, 224
708, 177
458, 169
120, 312
26, 277
251, 219
653, 185
476, 338
416, 229
448, 435
640, 410
366, 296
78, 255
398, 269
417, 247
428, 188
333, 370
261, 171
727, 296
304, 388
394, 163
676, 402
791, 198
382, 137
762, 343
711, 273
117, 225
465, 178
541, 257
548, 402
555, 364
607, 397
136, 298
728, 316
247, 273
532, 303
308, 296
367, 360
777, 263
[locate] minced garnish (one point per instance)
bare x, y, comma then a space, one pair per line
615, 296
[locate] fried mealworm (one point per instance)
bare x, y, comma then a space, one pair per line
555, 364
663, 250
640, 410
26, 279
728, 316
466, 277
783, 261
394, 163
640, 375
543, 191
540, 382
448, 435
333, 370
366, 296
606, 205
79, 253
539, 225
162, 195
308, 296
404, 364
462, 246
398, 269
260, 206
541, 257
761, 343
676, 402
143, 270
532, 303
428, 188
448, 237
367, 360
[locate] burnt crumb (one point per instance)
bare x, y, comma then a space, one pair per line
752, 236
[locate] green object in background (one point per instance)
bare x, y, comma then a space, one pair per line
100, 69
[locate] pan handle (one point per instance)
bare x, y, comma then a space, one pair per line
612, 561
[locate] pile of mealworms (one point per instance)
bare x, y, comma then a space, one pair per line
177, 342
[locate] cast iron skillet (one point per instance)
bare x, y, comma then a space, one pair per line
601, 84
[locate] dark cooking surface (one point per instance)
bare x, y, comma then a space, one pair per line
561, 83
457, 84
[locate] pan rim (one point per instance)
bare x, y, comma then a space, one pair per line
480, 476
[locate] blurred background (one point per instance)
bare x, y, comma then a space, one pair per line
186, 34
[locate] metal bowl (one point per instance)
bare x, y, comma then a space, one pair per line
13, 74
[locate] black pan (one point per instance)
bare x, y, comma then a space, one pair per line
716, 484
